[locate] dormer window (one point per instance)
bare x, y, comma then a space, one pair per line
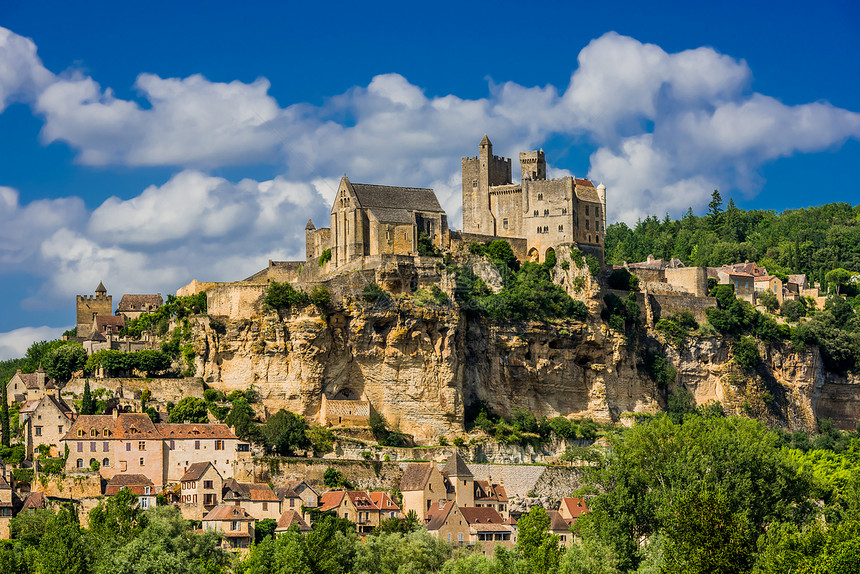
81, 433
94, 432
106, 433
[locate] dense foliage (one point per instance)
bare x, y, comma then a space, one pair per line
814, 240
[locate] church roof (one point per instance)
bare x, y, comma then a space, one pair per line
386, 215
457, 466
386, 196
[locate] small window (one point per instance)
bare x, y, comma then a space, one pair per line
80, 447
38, 431
536, 213
92, 460
545, 212
105, 446
123, 466
505, 223
207, 484
141, 445
196, 445
81, 433
540, 196
141, 461
105, 433
219, 445
561, 227
292, 503
538, 229
60, 429
587, 222
586, 210
546, 228
105, 462
93, 447
597, 211
94, 432
265, 506
128, 446
564, 211
474, 183
79, 463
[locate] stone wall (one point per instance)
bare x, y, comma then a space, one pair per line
73, 485
692, 279
344, 412
236, 300
665, 304
460, 243
196, 287
129, 389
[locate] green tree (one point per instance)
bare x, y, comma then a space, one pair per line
331, 545
537, 545
191, 409
5, 429
769, 300
746, 354
285, 433
284, 296
264, 528
64, 548
715, 210
241, 417
64, 361
88, 405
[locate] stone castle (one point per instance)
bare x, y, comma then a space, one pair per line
535, 215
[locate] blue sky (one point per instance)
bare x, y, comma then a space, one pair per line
147, 144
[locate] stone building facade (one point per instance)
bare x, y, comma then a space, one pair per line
546, 212
88, 307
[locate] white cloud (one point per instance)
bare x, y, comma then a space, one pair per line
22, 75
14, 344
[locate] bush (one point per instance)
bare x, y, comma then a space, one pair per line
577, 257
334, 478
284, 296
562, 427
459, 441
550, 260
189, 409
213, 395
95, 465
745, 351
660, 370
321, 439
768, 300
593, 264
623, 280
373, 293
426, 247
792, 310
325, 257
619, 313
321, 298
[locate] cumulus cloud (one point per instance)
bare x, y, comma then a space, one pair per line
664, 129
22, 75
14, 344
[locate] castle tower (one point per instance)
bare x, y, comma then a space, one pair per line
601, 194
87, 307
533, 164
479, 174
462, 479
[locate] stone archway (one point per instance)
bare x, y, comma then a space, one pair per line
534, 254
548, 251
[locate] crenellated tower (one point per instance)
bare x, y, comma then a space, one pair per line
479, 174
88, 306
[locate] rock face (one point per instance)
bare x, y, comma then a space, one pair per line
421, 366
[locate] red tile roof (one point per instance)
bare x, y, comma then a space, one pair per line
438, 516
361, 500
195, 431
382, 501
227, 512
331, 500
136, 483
290, 517
125, 426
481, 514
34, 500
575, 506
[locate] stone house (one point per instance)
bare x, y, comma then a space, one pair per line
423, 487
387, 507
45, 422
137, 484
488, 495
545, 212
770, 283
571, 508
132, 443
133, 306
236, 525
258, 499
7, 507
108, 326
122, 443
487, 528
200, 490
744, 283
23, 387
36, 500
446, 522
297, 494
356, 506
189, 443
461, 479
288, 519
560, 527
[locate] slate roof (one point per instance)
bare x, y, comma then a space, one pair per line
195, 472
557, 523
575, 506
125, 426
103, 321
101, 288
797, 279
415, 476
387, 196
387, 215
456, 466
290, 517
3, 484
194, 431
227, 512
31, 380
140, 302
252, 492
283, 492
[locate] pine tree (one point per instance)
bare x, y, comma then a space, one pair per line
87, 406
715, 209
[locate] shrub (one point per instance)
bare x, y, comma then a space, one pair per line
745, 351
562, 427
577, 257
325, 257
768, 300
284, 296
443, 441
593, 264
565, 265
792, 310
373, 293
619, 313
322, 440
218, 326
459, 441
321, 298
426, 247
334, 478
550, 260
623, 280
95, 465
213, 395
660, 370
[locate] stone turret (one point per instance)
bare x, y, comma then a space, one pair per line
462, 479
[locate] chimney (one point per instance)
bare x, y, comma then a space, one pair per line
116, 412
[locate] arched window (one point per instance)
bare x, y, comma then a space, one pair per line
536, 212
92, 460
79, 463
106, 462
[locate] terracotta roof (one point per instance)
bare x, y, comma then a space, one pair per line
489, 527
103, 321
438, 518
236, 534
575, 506
34, 500
415, 476
139, 302
124, 426
731, 273
482, 514
382, 501
136, 483
195, 471
227, 512
290, 517
583, 182
262, 493
713, 272
331, 500
763, 278
360, 500
195, 431
386, 196
456, 466
486, 491
511, 521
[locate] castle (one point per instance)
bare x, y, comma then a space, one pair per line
537, 214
